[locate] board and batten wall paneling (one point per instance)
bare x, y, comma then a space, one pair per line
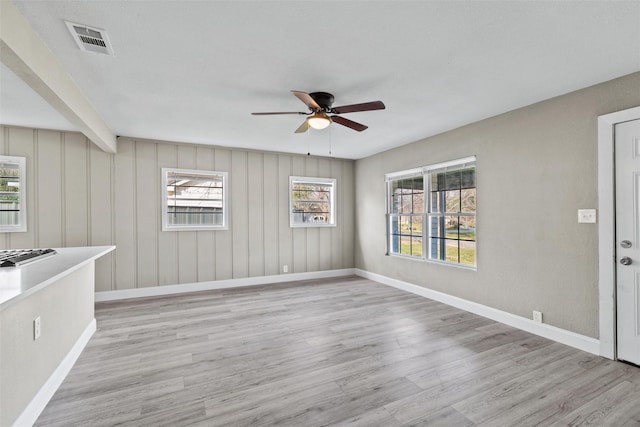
101, 194
298, 168
79, 195
324, 237
147, 223
349, 226
285, 233
187, 241
255, 211
238, 209
69, 194
125, 216
167, 242
75, 189
49, 226
336, 257
271, 224
206, 240
224, 238
22, 142
312, 251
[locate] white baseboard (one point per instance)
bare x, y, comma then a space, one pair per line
33, 410
553, 333
218, 284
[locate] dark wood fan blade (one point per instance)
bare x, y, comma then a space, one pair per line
303, 127
308, 100
277, 112
348, 123
353, 108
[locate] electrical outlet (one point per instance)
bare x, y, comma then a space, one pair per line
285, 268
537, 316
36, 328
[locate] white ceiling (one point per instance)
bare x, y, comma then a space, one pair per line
193, 71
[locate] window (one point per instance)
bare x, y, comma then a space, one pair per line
407, 215
312, 202
447, 214
194, 200
13, 212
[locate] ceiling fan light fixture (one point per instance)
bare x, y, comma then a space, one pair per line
319, 121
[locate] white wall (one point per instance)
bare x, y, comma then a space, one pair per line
536, 166
80, 196
65, 308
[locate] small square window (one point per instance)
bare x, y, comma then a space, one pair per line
194, 200
311, 202
13, 198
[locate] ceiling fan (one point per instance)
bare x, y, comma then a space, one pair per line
319, 104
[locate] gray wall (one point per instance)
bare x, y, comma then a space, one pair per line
78, 196
536, 166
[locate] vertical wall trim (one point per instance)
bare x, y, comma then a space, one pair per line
112, 201
88, 189
278, 212
177, 233
264, 226
230, 214
196, 234
246, 195
158, 197
304, 229
288, 196
134, 175
213, 258
36, 190
4, 149
63, 189
3, 142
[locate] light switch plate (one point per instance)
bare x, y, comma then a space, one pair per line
587, 216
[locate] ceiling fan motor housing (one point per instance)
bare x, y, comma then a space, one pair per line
323, 99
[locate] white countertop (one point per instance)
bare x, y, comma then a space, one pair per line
17, 283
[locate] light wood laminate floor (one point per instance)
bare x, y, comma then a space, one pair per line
345, 351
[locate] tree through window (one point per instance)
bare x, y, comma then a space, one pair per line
439, 227
311, 202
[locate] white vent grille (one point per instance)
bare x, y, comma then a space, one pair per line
90, 39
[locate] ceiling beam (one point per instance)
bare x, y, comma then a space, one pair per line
22, 50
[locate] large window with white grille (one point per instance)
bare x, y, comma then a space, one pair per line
194, 200
431, 212
13, 210
311, 202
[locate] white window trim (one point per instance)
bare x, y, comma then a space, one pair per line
436, 167
426, 238
332, 201
196, 227
22, 165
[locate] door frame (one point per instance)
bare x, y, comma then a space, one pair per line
606, 227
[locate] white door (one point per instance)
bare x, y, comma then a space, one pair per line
627, 166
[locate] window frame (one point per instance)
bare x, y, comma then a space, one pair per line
166, 226
426, 173
21, 162
332, 201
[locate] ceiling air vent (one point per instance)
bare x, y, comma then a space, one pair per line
90, 39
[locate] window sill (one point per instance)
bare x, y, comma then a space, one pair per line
431, 261
188, 228
310, 225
